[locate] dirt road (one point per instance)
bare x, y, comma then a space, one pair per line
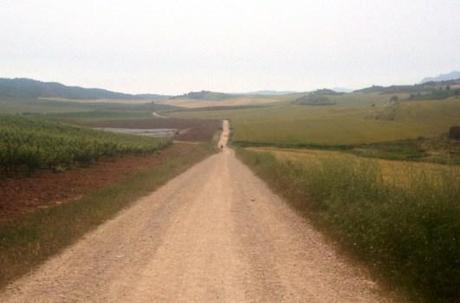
215, 233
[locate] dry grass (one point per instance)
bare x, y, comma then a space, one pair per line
394, 172
237, 101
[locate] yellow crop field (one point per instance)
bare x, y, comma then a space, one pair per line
395, 172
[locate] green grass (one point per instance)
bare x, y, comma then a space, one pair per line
437, 150
15, 105
352, 121
33, 238
10, 105
33, 143
409, 235
100, 115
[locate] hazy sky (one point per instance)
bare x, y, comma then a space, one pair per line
174, 46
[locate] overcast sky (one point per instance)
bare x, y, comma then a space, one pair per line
175, 46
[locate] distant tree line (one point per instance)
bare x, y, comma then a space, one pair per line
436, 94
314, 100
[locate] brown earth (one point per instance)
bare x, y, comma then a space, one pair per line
46, 188
190, 129
216, 233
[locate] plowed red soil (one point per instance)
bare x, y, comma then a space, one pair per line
21, 194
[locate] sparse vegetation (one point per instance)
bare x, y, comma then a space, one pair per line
409, 233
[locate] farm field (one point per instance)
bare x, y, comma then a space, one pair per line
27, 144
45, 188
81, 117
202, 130
30, 105
392, 172
76, 109
235, 101
351, 121
97, 101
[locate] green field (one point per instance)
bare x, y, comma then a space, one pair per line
355, 119
33, 143
99, 115
29, 105
400, 219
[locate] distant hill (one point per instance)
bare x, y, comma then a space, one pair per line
314, 100
206, 95
152, 97
270, 93
443, 77
325, 91
409, 89
28, 88
217, 96
386, 89
342, 90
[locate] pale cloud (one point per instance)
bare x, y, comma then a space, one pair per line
182, 45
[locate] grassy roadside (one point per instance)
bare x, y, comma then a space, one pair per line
434, 150
408, 235
28, 241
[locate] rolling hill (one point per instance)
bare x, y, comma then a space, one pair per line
454, 75
33, 89
206, 95
426, 87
